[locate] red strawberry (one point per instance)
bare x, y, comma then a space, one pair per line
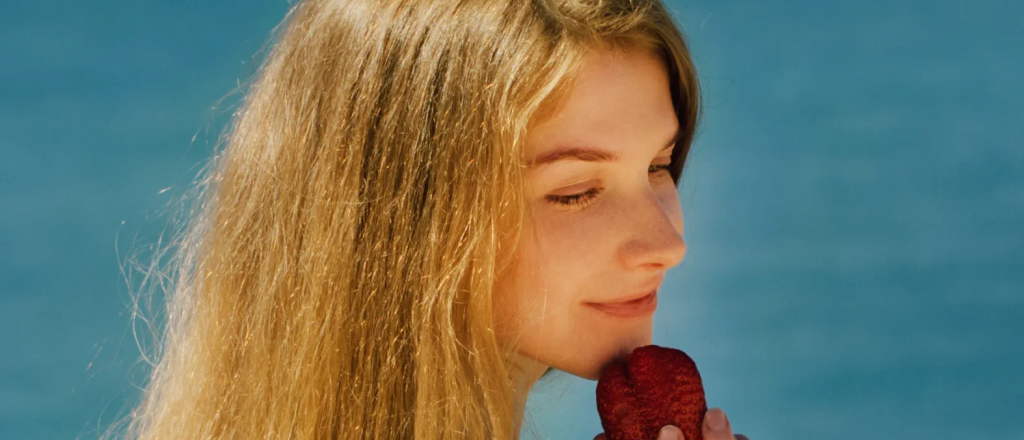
653, 387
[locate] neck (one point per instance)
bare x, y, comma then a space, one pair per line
526, 372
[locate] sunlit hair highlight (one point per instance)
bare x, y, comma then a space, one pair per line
335, 278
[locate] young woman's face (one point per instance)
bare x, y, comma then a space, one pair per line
606, 223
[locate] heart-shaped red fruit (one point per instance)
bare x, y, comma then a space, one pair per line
652, 387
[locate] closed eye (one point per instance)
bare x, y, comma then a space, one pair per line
576, 199
580, 199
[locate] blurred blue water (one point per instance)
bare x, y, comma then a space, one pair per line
854, 209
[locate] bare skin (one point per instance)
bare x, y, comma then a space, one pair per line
601, 231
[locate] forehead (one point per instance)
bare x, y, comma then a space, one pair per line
621, 98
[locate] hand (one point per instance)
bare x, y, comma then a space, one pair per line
716, 427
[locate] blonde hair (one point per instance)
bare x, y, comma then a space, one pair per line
335, 278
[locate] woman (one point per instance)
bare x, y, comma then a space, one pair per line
421, 208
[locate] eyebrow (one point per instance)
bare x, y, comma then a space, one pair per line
587, 154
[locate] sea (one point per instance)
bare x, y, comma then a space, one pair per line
854, 207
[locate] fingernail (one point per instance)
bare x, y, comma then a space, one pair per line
715, 420
670, 432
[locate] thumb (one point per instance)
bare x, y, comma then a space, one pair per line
670, 432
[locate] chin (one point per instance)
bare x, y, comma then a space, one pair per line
589, 364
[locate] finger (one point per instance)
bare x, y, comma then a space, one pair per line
741, 437
601, 436
717, 426
671, 432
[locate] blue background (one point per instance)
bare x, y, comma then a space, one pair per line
854, 209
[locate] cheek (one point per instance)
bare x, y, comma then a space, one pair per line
669, 197
547, 276
540, 295
566, 243
566, 262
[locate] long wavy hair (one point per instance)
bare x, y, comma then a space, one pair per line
334, 277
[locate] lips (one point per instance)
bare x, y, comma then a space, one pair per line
633, 307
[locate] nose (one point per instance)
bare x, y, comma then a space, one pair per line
653, 233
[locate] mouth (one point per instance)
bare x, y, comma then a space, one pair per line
636, 308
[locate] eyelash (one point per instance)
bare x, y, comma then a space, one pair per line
588, 195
